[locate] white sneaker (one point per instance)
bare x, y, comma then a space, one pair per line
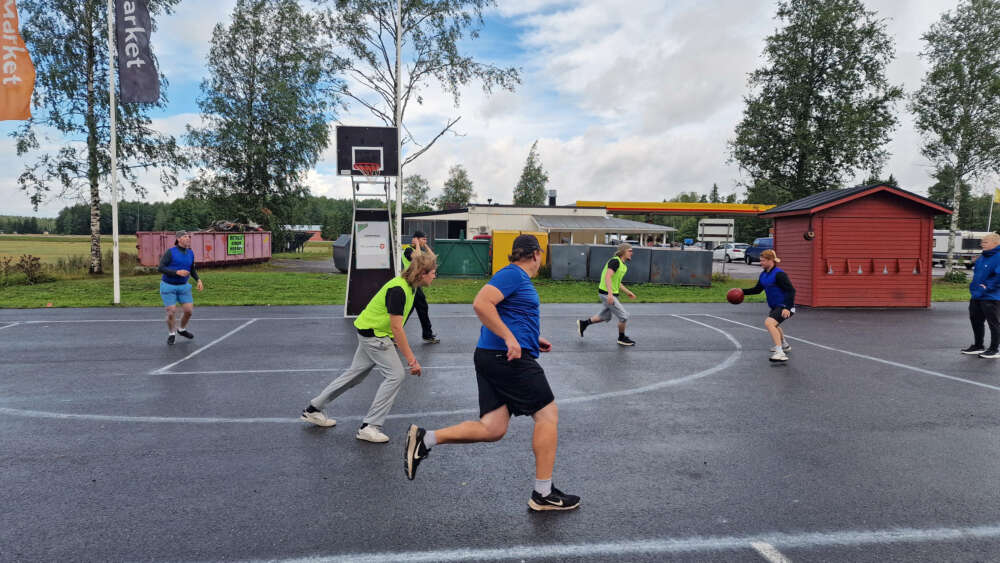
785, 346
372, 434
778, 356
318, 418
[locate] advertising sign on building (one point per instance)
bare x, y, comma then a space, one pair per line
372, 245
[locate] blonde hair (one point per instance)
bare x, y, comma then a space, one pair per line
622, 249
992, 236
421, 264
770, 255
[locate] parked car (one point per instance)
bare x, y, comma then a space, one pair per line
759, 245
729, 251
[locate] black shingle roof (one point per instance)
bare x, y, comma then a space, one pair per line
823, 198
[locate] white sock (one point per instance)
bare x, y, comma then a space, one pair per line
543, 486
430, 439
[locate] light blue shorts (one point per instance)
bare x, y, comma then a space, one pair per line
174, 294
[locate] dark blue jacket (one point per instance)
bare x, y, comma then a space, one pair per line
778, 288
986, 272
175, 259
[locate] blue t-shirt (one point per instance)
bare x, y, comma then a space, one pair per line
518, 310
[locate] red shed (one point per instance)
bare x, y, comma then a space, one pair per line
868, 246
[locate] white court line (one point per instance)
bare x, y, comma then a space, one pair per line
866, 357
8, 326
696, 544
160, 320
769, 552
469, 367
729, 361
203, 348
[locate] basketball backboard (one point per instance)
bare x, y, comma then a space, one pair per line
367, 145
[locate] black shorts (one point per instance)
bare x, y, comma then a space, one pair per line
776, 314
520, 384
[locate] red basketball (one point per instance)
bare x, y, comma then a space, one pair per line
735, 296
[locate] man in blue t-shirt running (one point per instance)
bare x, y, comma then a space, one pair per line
510, 381
177, 265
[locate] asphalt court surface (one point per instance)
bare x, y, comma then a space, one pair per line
877, 441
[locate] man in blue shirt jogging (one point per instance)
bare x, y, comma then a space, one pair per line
177, 265
510, 381
984, 306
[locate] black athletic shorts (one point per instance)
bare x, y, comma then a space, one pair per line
520, 384
776, 314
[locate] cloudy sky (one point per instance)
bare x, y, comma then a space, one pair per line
626, 104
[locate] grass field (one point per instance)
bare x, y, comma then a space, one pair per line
262, 285
50, 248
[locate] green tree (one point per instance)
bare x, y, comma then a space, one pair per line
416, 190
530, 189
821, 107
713, 196
943, 191
458, 191
433, 34
68, 44
957, 106
266, 109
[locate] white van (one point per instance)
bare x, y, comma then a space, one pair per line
966, 247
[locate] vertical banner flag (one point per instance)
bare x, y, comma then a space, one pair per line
136, 72
17, 74
996, 195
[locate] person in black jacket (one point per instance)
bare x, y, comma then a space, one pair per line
418, 245
177, 265
774, 282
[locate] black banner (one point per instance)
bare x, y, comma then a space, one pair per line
136, 71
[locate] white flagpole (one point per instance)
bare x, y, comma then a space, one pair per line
114, 151
399, 136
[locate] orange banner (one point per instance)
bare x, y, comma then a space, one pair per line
17, 74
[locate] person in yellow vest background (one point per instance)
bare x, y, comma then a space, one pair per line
418, 245
380, 332
609, 288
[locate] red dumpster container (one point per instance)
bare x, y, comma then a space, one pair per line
210, 248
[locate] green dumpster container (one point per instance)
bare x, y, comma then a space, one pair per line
463, 258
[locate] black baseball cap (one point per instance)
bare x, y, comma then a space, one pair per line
527, 242
419, 234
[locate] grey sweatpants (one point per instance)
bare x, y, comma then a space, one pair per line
373, 353
615, 309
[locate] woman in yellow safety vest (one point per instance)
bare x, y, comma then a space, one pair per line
380, 332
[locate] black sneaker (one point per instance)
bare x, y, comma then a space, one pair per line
185, 333
415, 451
432, 339
990, 354
170, 340
974, 350
625, 341
582, 326
557, 500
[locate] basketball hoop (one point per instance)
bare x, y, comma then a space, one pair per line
368, 169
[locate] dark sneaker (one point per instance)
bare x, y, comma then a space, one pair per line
415, 451
974, 350
170, 340
990, 354
626, 341
581, 326
557, 500
185, 333
432, 339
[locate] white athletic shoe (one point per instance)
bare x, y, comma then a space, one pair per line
778, 356
372, 434
318, 418
785, 346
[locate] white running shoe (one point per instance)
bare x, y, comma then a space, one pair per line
778, 356
785, 346
372, 434
318, 418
